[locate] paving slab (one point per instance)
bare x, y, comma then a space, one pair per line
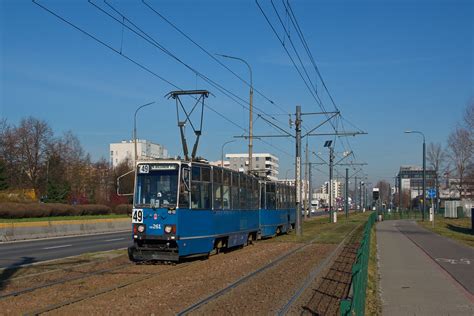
411, 282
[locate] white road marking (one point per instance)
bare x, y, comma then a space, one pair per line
55, 247
115, 239
455, 261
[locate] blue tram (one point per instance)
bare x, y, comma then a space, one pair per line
183, 209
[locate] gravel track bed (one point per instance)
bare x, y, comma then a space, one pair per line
171, 292
55, 271
267, 292
73, 289
332, 287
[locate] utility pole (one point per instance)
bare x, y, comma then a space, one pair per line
310, 189
331, 160
346, 194
424, 179
355, 193
400, 193
299, 229
305, 199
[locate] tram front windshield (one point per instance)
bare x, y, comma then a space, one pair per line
157, 185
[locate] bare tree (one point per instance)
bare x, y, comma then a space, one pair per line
436, 157
34, 137
384, 189
460, 153
469, 117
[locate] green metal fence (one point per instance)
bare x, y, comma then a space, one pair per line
356, 304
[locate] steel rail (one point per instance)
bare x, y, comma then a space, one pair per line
62, 281
244, 279
315, 272
104, 291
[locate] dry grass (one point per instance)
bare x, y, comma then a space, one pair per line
456, 228
373, 305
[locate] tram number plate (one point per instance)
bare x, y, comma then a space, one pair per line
144, 169
137, 216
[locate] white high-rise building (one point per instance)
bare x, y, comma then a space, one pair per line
261, 162
337, 189
126, 150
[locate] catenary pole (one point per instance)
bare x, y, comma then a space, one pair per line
299, 229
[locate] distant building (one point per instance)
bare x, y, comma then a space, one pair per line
337, 193
337, 189
410, 178
218, 163
263, 163
126, 150
304, 187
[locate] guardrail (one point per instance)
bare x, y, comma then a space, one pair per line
356, 304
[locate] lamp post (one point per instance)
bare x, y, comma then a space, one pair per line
222, 151
424, 171
250, 108
135, 129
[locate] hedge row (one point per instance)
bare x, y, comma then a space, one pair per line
27, 210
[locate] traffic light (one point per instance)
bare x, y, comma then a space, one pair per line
375, 193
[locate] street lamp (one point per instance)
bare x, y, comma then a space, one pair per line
250, 108
424, 171
135, 129
222, 151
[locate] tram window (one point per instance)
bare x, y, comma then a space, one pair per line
217, 187
196, 202
262, 195
196, 173
184, 188
255, 194
250, 195
279, 197
243, 192
235, 191
206, 174
200, 187
270, 194
200, 195
226, 190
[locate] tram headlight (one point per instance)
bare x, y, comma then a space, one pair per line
170, 229
141, 228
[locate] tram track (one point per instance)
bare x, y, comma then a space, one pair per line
63, 281
109, 289
315, 272
243, 280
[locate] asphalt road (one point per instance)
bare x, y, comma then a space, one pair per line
455, 258
26, 252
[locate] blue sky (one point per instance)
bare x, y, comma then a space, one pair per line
390, 66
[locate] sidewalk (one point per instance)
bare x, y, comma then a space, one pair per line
412, 282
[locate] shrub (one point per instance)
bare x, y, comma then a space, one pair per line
123, 209
28, 210
93, 209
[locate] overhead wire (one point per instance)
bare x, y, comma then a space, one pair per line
143, 67
144, 35
294, 21
173, 25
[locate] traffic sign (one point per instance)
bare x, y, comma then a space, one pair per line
431, 193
